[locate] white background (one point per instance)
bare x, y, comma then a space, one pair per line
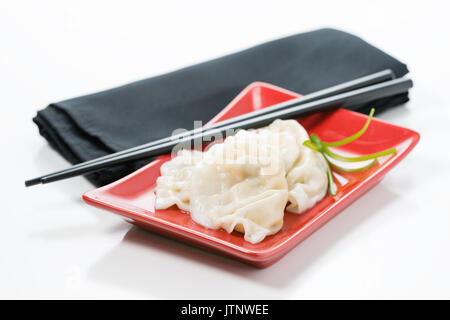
394, 242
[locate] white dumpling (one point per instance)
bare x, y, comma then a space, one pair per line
306, 177
245, 183
174, 184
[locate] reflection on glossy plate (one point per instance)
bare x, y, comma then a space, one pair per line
133, 196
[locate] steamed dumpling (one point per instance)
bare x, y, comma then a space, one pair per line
307, 175
245, 183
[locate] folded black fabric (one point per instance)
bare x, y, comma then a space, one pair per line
91, 126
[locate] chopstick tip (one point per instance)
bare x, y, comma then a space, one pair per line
32, 182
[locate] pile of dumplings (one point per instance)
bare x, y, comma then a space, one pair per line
247, 182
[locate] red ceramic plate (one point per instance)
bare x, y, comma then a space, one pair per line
133, 196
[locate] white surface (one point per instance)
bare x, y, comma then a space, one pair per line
394, 242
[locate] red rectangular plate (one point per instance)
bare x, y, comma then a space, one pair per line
133, 196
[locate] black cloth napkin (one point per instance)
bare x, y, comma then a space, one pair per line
91, 126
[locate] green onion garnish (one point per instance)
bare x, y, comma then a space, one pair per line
318, 145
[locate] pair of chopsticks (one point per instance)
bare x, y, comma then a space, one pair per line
347, 95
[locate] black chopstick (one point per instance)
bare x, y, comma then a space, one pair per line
365, 81
337, 89
290, 109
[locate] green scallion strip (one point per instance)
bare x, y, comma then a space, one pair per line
322, 147
331, 185
370, 165
352, 137
358, 159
